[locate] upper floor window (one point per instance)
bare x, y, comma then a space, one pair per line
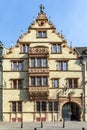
25, 48
55, 83
39, 81
17, 83
72, 83
41, 34
62, 65
17, 65
56, 48
16, 106
38, 62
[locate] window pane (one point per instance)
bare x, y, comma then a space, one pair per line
23, 48
39, 81
54, 49
55, 106
50, 106
60, 65
26, 49
44, 62
43, 106
32, 62
75, 83
19, 66
14, 106
55, 83
19, 106
44, 34
14, 66
38, 62
59, 48
32, 81
44, 81
70, 83
20, 84
39, 34
14, 84
38, 106
65, 65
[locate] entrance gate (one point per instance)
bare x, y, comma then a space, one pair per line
71, 111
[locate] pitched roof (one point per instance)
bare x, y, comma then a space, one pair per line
81, 50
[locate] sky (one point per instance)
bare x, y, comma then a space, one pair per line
70, 16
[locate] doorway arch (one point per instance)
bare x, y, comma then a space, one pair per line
71, 111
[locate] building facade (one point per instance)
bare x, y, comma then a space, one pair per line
1, 79
42, 76
82, 54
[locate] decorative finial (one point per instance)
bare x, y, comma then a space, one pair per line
12, 44
41, 8
71, 44
21, 33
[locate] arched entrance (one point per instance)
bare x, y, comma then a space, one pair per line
71, 111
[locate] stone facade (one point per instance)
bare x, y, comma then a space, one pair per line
82, 55
1, 79
42, 76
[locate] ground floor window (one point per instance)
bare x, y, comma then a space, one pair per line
42, 106
16, 106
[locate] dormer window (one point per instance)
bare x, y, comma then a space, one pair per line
41, 34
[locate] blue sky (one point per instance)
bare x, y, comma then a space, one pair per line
70, 16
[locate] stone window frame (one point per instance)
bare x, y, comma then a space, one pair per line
42, 84
73, 84
35, 60
16, 106
41, 34
53, 86
62, 67
47, 108
57, 51
17, 65
16, 85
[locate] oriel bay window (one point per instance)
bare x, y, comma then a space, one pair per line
38, 62
56, 48
17, 65
39, 81
72, 83
63, 65
16, 106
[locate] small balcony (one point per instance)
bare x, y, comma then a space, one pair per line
38, 92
